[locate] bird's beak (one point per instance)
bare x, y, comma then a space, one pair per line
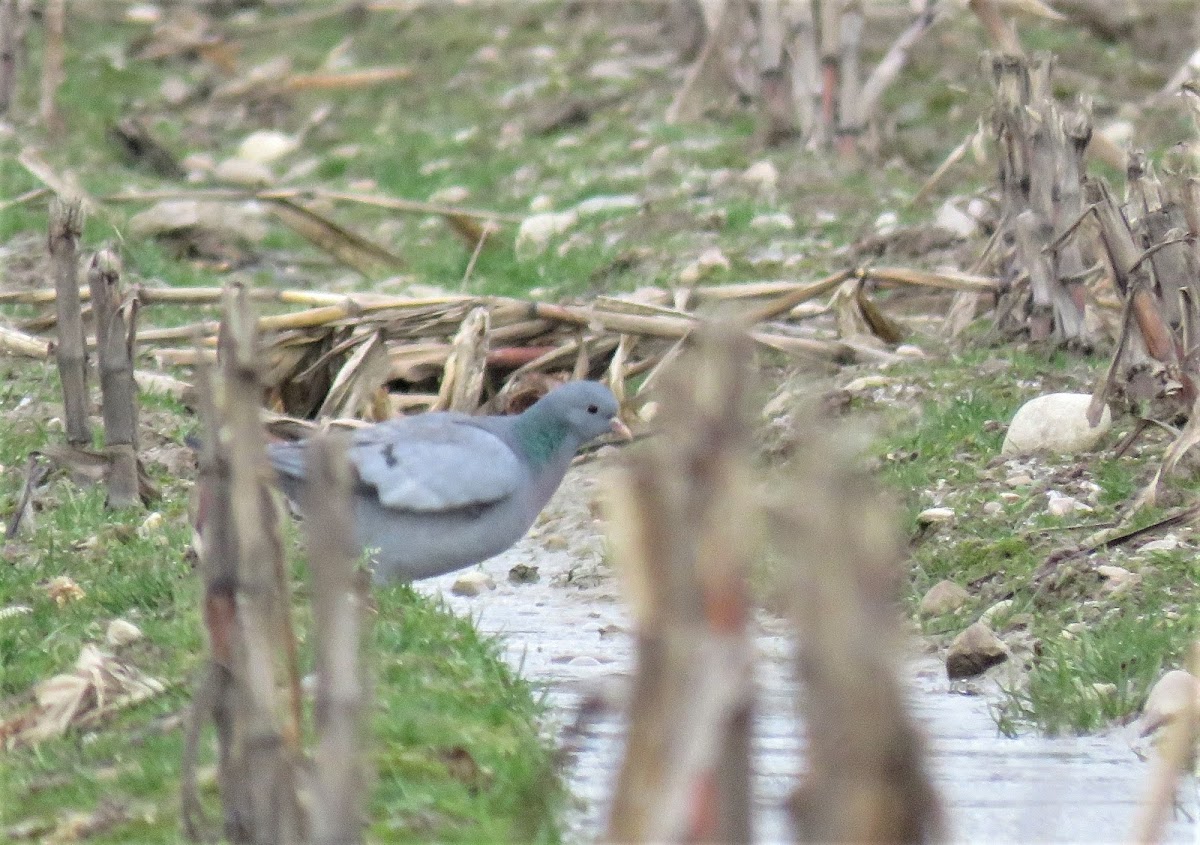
620, 429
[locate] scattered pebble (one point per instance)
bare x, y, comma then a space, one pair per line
943, 597
887, 222
1001, 608
864, 383
242, 171
151, 526
121, 632
1118, 579
62, 589
763, 176
473, 583
993, 508
143, 13
658, 161
523, 573
951, 218
1167, 544
710, 260
266, 146
932, 515
778, 220
603, 204
450, 195
1060, 505
974, 651
535, 231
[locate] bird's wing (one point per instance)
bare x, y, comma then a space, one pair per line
435, 462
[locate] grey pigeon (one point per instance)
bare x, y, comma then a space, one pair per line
439, 491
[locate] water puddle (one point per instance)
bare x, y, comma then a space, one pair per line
573, 639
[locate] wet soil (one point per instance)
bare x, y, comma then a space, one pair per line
569, 633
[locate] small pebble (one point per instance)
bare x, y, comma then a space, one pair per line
122, 632
473, 583
932, 515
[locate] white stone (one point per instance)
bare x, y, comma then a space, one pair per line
535, 232
708, 261
943, 597
1000, 608
910, 351
121, 632
450, 194
778, 220
1119, 132
1056, 423
887, 222
763, 176
1167, 544
199, 166
175, 90
165, 216
953, 219
473, 583
993, 508
932, 515
600, 205
1059, 505
611, 69
245, 221
1117, 579
658, 161
266, 145
151, 525
143, 13
243, 171
979, 208
864, 383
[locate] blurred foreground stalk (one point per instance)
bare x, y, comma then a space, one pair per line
683, 533
270, 793
841, 569
686, 516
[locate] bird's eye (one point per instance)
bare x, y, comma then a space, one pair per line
592, 409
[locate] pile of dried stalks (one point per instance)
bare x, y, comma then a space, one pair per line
369, 355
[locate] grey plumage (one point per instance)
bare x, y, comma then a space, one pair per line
440, 491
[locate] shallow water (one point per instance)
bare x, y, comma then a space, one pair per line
574, 641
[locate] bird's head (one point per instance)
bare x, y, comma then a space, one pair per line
587, 408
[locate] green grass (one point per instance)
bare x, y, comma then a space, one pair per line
454, 732
945, 452
465, 120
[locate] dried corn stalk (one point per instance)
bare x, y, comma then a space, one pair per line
1040, 156
867, 779
115, 327
684, 537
